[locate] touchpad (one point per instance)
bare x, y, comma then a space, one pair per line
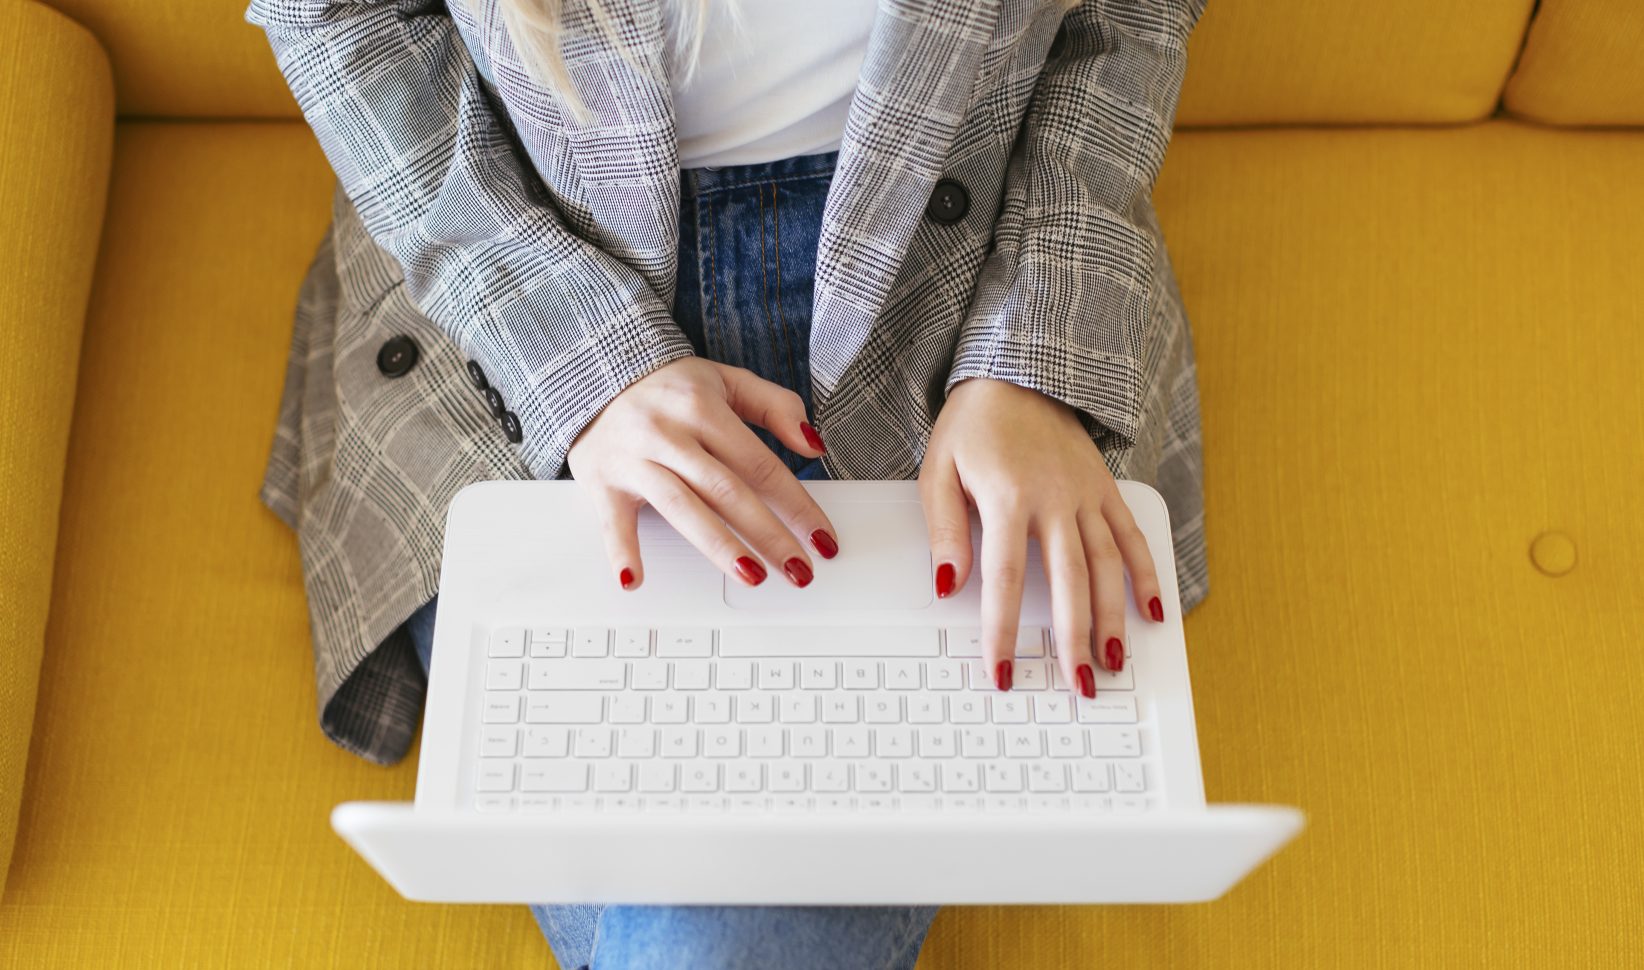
883, 563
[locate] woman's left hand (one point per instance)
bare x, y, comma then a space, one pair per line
1025, 462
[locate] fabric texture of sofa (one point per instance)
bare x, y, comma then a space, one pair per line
1410, 239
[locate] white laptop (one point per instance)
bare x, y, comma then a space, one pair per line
700, 741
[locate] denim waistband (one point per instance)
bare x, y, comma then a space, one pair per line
710, 178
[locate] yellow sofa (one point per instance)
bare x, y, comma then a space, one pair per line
1411, 237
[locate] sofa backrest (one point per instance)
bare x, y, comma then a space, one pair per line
1252, 62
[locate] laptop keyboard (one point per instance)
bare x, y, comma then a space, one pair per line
794, 720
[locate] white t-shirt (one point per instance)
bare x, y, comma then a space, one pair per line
780, 87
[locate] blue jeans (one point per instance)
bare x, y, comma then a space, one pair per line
746, 254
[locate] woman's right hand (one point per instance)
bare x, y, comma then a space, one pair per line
675, 438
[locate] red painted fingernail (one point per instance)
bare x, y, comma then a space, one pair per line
811, 437
1001, 675
750, 570
626, 578
824, 544
1087, 680
1155, 609
798, 571
1115, 654
944, 580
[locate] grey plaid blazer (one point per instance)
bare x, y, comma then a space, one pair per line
475, 216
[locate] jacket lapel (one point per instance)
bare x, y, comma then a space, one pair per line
921, 66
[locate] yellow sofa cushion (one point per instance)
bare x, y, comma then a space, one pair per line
1417, 351
56, 125
1252, 61
1299, 61
1583, 64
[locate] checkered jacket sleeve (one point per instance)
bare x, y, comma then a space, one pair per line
559, 325
1062, 303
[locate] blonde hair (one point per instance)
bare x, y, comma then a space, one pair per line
537, 27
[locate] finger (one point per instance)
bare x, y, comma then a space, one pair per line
744, 454
735, 501
1064, 557
1138, 558
1107, 572
947, 519
619, 525
773, 407
692, 518
1004, 563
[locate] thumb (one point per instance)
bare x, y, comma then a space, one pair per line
773, 407
947, 519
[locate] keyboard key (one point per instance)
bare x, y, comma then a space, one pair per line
1030, 641
850, 741
636, 742
1090, 776
626, 709
872, 776
554, 776
764, 742
919, 803
496, 776
818, 674
565, 709
1114, 742
755, 707
1108, 680
962, 777
592, 742
1119, 708
591, 641
912, 776
722, 741
925, 710
504, 675
613, 776
494, 803
691, 674
499, 742
1023, 742
964, 641
841, 708
699, 776
1047, 803
902, 674
537, 803
797, 708
1008, 707
808, 741
1047, 776
712, 708
633, 641
549, 649
1052, 708
547, 742
656, 776
508, 642
830, 778
577, 675
893, 742
937, 742
967, 708
788, 777
855, 641
707, 803
776, 674
501, 709
882, 707
1065, 741
861, 674
733, 675
1002, 776
649, 674
549, 634
685, 642
1129, 777
679, 742
945, 674
669, 710
979, 742
746, 776
1030, 675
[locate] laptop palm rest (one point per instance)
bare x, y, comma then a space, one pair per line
883, 564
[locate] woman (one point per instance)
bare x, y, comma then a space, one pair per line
578, 239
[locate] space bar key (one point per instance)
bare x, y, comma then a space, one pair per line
839, 641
